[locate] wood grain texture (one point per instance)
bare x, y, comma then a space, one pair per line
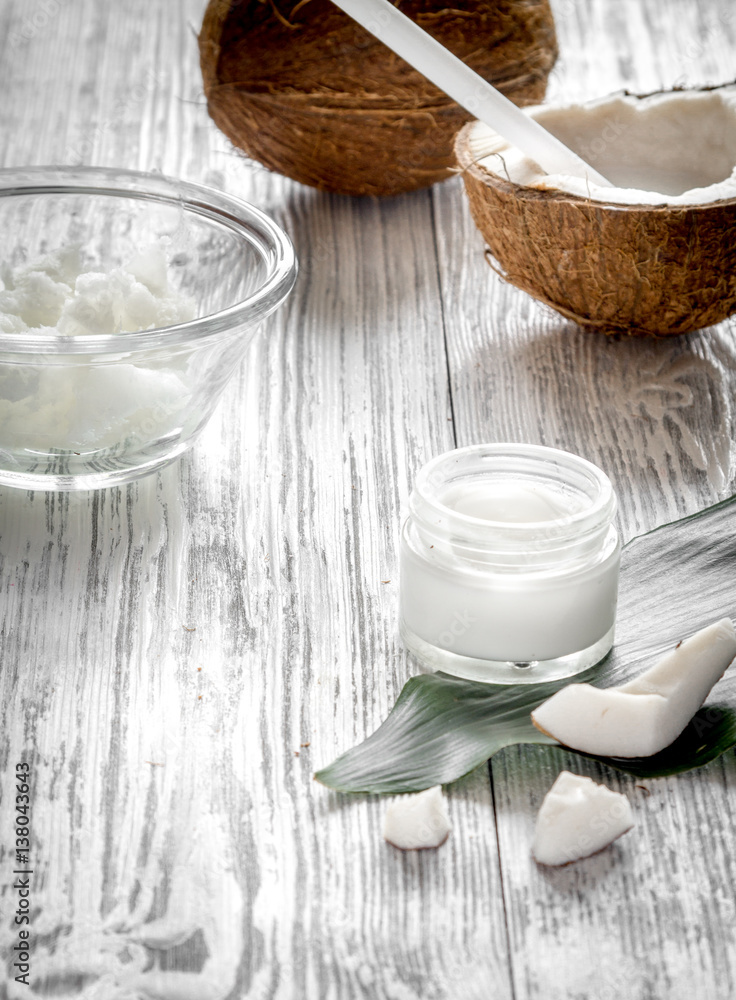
177, 657
652, 916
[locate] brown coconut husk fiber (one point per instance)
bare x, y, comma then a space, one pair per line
303, 89
638, 270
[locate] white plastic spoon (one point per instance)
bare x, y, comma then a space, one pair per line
467, 88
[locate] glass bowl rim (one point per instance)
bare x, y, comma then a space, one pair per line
241, 217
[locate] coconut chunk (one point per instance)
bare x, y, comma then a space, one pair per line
417, 821
645, 715
578, 818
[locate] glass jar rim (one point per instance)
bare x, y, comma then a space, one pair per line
240, 217
427, 508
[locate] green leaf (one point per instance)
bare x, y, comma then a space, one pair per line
440, 728
674, 580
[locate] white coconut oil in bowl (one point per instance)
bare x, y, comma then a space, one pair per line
509, 564
127, 302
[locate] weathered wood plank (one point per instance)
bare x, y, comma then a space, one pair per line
272, 542
180, 655
652, 916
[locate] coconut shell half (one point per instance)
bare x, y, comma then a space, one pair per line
634, 269
303, 89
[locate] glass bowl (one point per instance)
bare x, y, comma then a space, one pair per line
88, 409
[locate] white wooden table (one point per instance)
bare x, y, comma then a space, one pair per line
179, 656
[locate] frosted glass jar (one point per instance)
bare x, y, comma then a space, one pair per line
509, 564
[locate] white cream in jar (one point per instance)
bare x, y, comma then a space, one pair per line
509, 564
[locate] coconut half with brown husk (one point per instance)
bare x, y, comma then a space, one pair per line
303, 89
654, 255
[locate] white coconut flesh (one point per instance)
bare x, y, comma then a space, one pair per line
676, 148
413, 822
578, 818
645, 715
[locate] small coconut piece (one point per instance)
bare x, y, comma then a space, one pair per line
413, 822
578, 818
655, 254
645, 715
303, 89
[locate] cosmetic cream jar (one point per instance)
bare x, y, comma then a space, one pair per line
509, 564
